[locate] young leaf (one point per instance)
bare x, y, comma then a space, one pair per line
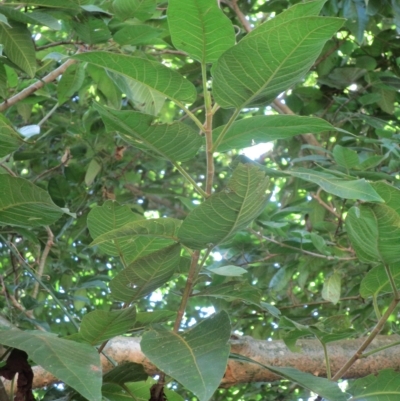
24, 204
150, 73
373, 230
196, 358
146, 274
272, 59
10, 140
99, 325
332, 287
76, 364
224, 213
200, 28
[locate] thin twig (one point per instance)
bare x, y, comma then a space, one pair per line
354, 298
325, 205
9, 171
61, 42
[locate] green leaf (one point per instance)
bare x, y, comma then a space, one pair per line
141, 9
92, 30
137, 35
127, 372
250, 131
384, 386
99, 325
200, 28
18, 46
144, 319
272, 58
389, 193
24, 204
345, 157
165, 228
34, 17
93, 169
228, 270
196, 358
327, 389
355, 189
10, 140
373, 230
332, 287
377, 282
176, 141
78, 365
146, 274
70, 82
150, 73
226, 212
65, 4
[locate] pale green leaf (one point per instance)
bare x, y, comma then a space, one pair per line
228, 270
345, 157
250, 131
10, 140
150, 73
200, 28
374, 229
99, 325
332, 287
377, 282
70, 82
146, 274
24, 204
196, 358
93, 169
78, 365
18, 46
175, 142
223, 214
272, 58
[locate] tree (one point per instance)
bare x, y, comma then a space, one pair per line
129, 212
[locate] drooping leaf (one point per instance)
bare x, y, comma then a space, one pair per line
354, 189
99, 325
10, 140
176, 141
150, 73
373, 229
93, 169
226, 212
376, 281
76, 364
196, 358
24, 204
272, 58
70, 82
34, 17
146, 274
250, 131
18, 46
127, 372
200, 28
332, 287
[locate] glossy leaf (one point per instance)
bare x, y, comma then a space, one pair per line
146, 274
99, 325
24, 204
258, 129
200, 28
373, 229
226, 212
273, 58
176, 141
376, 281
150, 73
10, 140
196, 358
76, 364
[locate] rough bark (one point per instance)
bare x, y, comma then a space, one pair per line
274, 353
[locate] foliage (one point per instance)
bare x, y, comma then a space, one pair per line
127, 206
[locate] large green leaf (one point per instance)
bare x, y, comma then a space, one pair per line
354, 189
70, 82
100, 325
10, 140
226, 212
176, 141
165, 228
137, 35
345, 157
200, 28
24, 204
127, 372
65, 4
76, 364
272, 58
196, 358
377, 281
146, 274
249, 131
374, 231
18, 46
389, 193
150, 73
141, 9
34, 18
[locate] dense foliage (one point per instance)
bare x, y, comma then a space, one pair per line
129, 207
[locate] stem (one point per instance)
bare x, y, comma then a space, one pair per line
191, 115
368, 341
225, 130
327, 363
190, 179
367, 354
208, 132
48, 115
392, 282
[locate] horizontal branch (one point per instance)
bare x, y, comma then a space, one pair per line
273, 353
